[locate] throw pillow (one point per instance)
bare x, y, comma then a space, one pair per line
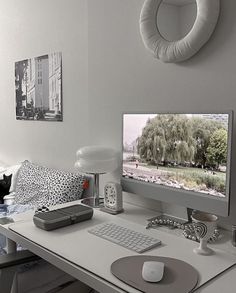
41, 186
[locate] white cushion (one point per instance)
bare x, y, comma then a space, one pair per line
183, 49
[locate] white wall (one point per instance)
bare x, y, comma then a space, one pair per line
169, 21
123, 77
34, 28
175, 21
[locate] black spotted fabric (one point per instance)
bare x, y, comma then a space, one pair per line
41, 186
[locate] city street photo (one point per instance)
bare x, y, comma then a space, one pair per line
38, 85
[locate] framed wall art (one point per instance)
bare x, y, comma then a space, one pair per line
38, 85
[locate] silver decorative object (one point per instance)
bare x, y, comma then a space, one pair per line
188, 229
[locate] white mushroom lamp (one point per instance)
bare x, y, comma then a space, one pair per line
96, 160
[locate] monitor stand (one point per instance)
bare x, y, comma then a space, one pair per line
181, 213
172, 216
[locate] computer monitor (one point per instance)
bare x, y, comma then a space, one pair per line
183, 159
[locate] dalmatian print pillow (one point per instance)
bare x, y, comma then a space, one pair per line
41, 186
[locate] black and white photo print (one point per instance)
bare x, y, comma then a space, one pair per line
38, 83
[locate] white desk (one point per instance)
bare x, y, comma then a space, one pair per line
88, 258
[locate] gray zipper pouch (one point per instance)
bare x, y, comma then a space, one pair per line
62, 217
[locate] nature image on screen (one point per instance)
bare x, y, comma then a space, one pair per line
184, 151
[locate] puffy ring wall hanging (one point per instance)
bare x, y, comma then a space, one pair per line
183, 49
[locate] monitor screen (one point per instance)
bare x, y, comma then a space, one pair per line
179, 158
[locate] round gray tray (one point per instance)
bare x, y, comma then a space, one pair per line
178, 276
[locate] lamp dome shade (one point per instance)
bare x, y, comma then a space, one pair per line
96, 159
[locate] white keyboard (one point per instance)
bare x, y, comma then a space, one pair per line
125, 237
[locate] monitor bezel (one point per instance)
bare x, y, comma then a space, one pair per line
181, 197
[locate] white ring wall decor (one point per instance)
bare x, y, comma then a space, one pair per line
183, 49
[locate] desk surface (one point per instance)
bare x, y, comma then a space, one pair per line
88, 257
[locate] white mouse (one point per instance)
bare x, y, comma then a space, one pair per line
152, 271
